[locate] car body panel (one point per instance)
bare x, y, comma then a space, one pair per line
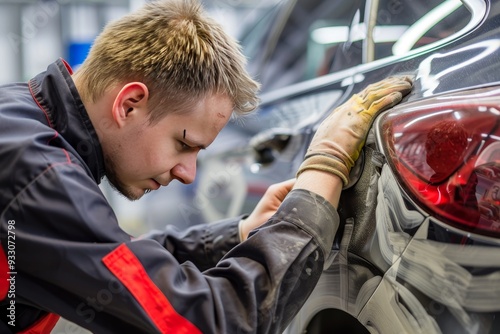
395, 267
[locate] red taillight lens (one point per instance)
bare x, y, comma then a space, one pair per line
446, 155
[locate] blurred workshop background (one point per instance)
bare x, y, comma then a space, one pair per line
34, 33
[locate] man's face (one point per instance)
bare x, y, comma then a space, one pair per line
143, 157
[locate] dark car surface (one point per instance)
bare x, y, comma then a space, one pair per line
418, 250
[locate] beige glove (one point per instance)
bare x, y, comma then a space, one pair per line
340, 137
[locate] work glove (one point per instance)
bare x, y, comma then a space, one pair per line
340, 137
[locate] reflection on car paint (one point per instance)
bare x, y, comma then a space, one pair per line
460, 58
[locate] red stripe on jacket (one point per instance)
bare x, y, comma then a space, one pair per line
4, 269
129, 270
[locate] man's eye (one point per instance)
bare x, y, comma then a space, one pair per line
184, 146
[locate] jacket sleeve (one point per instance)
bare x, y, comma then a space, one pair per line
72, 259
203, 244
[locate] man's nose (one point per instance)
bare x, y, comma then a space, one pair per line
185, 171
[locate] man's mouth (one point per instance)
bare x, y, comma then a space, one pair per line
156, 185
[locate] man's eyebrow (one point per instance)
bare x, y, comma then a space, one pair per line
191, 142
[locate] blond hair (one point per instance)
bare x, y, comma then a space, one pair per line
177, 50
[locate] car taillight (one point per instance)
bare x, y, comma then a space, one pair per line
445, 153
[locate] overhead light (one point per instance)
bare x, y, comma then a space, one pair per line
330, 35
339, 34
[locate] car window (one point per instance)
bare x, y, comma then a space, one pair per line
278, 45
400, 26
406, 25
303, 39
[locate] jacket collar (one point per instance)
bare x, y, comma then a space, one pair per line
56, 94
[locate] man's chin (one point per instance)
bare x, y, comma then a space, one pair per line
132, 194
132, 197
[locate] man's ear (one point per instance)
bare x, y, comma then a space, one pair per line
130, 100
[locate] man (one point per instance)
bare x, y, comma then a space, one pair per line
156, 88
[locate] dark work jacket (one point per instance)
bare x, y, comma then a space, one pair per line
64, 254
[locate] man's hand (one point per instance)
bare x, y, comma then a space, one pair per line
340, 137
266, 207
